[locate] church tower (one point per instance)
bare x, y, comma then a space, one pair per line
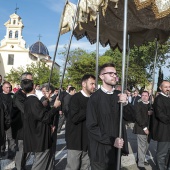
14, 27
13, 51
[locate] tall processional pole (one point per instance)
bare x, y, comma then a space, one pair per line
127, 63
123, 78
69, 45
97, 48
56, 47
154, 67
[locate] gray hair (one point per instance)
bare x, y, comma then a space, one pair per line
24, 75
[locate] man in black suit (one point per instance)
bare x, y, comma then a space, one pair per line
161, 124
4, 123
37, 128
141, 128
0, 84
67, 98
6, 96
61, 112
135, 98
17, 124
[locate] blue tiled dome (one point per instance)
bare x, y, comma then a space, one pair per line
39, 48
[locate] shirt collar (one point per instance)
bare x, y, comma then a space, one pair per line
106, 91
145, 102
164, 94
84, 94
31, 95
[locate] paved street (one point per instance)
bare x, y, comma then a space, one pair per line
128, 162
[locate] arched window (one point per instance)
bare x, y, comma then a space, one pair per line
14, 21
16, 34
10, 34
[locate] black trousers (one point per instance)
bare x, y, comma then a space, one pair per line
102, 166
61, 122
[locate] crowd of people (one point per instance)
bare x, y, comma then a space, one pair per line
32, 115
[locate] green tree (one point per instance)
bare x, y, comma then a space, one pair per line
81, 62
140, 69
137, 74
141, 62
40, 71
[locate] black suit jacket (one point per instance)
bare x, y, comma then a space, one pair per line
142, 118
37, 121
1, 89
136, 100
4, 121
161, 119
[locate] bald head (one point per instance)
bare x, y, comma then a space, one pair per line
165, 87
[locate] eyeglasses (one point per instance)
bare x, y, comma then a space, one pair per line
110, 73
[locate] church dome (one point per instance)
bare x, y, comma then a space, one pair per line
39, 48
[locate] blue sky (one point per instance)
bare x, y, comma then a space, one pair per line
42, 18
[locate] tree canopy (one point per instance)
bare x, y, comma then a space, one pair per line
40, 71
140, 70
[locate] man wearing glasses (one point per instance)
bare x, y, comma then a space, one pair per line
102, 121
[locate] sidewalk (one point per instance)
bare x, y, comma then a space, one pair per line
129, 162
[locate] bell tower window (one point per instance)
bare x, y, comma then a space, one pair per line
14, 21
10, 59
10, 34
16, 34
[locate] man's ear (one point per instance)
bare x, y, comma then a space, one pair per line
101, 77
83, 84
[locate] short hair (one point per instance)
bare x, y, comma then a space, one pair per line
1, 76
71, 89
163, 81
24, 75
136, 91
27, 85
102, 67
6, 82
145, 92
87, 76
118, 86
48, 87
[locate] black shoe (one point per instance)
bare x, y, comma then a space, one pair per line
146, 163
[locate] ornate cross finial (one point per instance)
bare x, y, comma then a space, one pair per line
39, 36
16, 9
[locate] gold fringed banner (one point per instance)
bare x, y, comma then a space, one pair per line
69, 13
161, 8
142, 3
